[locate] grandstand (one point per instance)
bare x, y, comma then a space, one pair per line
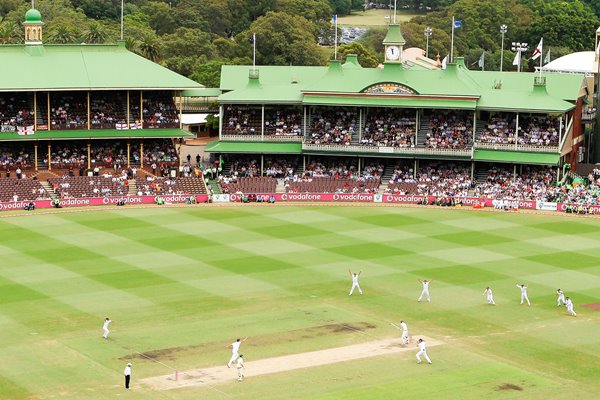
69, 111
466, 121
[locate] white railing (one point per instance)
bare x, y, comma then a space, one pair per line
259, 138
520, 147
386, 150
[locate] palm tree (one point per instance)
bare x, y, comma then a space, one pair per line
150, 48
10, 33
132, 44
95, 33
62, 34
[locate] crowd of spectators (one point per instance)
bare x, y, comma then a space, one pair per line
539, 131
452, 131
330, 126
241, 120
287, 122
15, 156
15, 110
499, 130
390, 129
159, 111
106, 110
69, 112
534, 183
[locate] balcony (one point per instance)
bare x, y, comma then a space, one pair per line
514, 147
388, 150
260, 138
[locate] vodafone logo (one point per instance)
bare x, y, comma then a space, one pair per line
301, 197
392, 198
352, 197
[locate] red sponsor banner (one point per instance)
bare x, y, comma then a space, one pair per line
325, 197
590, 208
102, 201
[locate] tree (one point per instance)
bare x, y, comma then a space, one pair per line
366, 58
209, 74
7, 6
185, 49
570, 24
341, 7
10, 33
160, 17
96, 33
149, 47
282, 39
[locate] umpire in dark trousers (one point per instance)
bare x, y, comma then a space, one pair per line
127, 374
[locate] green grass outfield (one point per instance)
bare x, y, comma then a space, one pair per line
182, 283
374, 17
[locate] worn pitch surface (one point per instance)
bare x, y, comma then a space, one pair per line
181, 284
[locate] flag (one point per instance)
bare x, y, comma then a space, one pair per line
516, 60
444, 62
547, 59
25, 130
458, 24
481, 62
335, 18
251, 39
538, 50
121, 126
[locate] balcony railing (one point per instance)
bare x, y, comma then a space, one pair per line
387, 150
512, 147
259, 138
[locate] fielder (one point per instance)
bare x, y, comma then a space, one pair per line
425, 291
105, 327
235, 349
524, 294
490, 295
561, 298
355, 284
240, 368
569, 304
422, 351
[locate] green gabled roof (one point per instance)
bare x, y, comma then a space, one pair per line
83, 67
98, 134
204, 92
394, 35
520, 157
219, 146
506, 91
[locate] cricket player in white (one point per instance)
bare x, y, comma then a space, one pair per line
105, 327
422, 351
235, 349
355, 284
561, 298
404, 332
490, 295
240, 368
523, 293
425, 291
569, 304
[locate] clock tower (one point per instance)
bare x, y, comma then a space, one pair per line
393, 44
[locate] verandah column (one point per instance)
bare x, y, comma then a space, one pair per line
474, 126
142, 108
128, 154
262, 165
417, 123
180, 111
49, 157
141, 153
262, 123
89, 157
49, 121
517, 131
128, 111
35, 156
361, 118
35, 111
221, 122
89, 112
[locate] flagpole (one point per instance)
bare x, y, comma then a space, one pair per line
122, 6
394, 11
541, 56
254, 51
335, 40
452, 44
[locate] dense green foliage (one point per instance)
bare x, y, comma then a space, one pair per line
194, 37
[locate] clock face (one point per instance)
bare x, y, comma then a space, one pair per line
392, 53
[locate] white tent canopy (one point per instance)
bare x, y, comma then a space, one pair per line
194, 119
582, 62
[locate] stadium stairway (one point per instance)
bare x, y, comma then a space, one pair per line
132, 187
280, 186
481, 124
48, 188
214, 185
423, 129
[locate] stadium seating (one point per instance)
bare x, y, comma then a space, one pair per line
248, 185
390, 128
450, 130
182, 185
283, 122
242, 120
23, 189
331, 126
83, 186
